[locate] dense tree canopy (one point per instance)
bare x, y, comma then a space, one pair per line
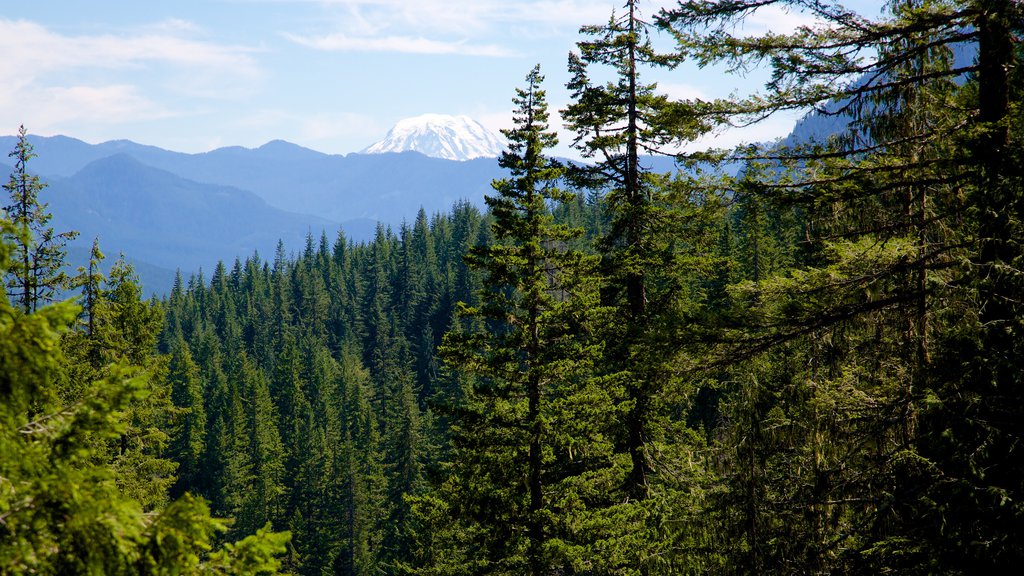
793, 357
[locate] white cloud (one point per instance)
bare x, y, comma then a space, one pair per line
682, 91
174, 25
30, 48
49, 79
776, 126
57, 106
493, 120
326, 127
55, 109
341, 42
467, 27
472, 17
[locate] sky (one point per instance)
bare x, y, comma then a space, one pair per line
331, 75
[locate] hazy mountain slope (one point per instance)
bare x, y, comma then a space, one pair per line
64, 156
350, 189
384, 187
154, 279
816, 126
168, 221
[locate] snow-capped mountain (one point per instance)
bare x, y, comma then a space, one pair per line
441, 136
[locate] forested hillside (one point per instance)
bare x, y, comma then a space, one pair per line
812, 365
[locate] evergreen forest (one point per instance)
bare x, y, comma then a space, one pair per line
783, 358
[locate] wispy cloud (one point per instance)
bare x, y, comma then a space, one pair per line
471, 17
481, 16
467, 27
29, 47
48, 78
681, 91
776, 126
777, 19
57, 105
341, 42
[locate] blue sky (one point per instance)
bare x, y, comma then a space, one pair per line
332, 75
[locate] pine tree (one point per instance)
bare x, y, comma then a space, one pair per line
132, 325
345, 291
35, 275
616, 123
524, 443
866, 319
89, 279
404, 455
189, 439
361, 473
422, 337
62, 508
267, 452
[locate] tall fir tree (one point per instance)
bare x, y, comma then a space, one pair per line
862, 321
526, 452
616, 123
35, 276
189, 438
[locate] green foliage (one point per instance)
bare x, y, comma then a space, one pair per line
64, 504
34, 274
857, 262
343, 338
530, 431
811, 365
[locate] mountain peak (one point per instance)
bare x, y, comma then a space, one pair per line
441, 136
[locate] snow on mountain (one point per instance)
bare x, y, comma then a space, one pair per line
441, 136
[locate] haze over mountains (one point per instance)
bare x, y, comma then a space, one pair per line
167, 210
349, 189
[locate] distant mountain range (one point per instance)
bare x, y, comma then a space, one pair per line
169, 210
163, 219
352, 189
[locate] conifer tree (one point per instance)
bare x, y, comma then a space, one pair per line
405, 450
189, 439
423, 340
132, 325
266, 450
361, 473
524, 444
35, 274
616, 123
864, 322
89, 279
313, 521
344, 290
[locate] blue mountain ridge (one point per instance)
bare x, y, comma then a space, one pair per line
163, 221
170, 210
382, 187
